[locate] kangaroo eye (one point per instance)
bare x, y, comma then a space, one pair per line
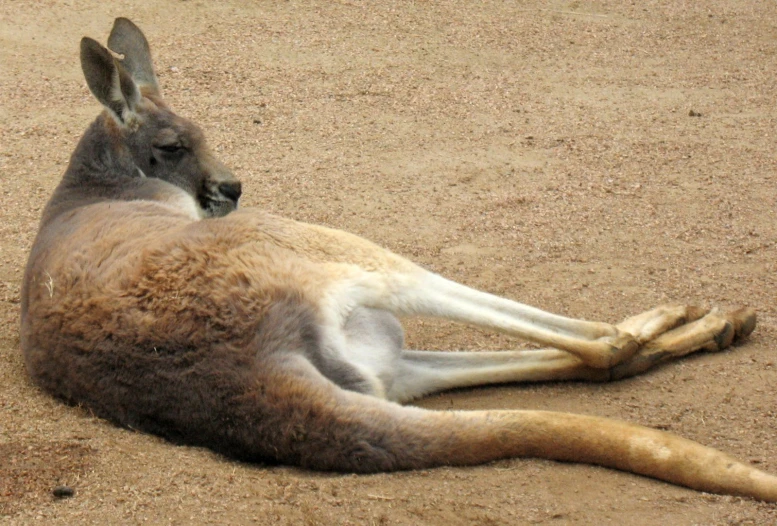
169, 148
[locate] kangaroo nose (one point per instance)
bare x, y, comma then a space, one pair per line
231, 191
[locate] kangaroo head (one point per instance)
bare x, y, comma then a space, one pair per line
145, 132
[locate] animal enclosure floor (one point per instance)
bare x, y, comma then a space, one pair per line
593, 159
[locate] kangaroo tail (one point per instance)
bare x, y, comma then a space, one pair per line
343, 431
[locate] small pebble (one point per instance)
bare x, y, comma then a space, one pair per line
63, 492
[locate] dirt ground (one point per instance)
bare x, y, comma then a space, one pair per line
592, 158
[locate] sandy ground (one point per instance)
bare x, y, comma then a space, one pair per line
593, 158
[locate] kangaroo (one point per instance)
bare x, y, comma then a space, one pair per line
152, 300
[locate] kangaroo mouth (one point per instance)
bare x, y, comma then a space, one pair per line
217, 206
221, 199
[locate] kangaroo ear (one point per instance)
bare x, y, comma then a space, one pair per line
127, 39
109, 81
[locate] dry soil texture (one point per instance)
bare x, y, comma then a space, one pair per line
593, 158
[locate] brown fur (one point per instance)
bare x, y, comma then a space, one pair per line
223, 332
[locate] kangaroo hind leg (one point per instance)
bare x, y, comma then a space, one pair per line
354, 273
420, 373
423, 372
715, 331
